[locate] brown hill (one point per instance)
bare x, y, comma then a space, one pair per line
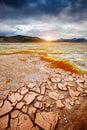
19, 39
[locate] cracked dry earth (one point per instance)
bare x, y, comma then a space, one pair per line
58, 103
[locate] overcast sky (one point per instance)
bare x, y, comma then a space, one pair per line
50, 19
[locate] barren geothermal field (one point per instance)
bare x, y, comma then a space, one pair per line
43, 86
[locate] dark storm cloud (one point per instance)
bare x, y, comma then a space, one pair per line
27, 8
54, 18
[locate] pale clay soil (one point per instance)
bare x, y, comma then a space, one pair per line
34, 97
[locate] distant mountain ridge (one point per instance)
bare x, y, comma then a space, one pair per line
19, 39
71, 40
27, 39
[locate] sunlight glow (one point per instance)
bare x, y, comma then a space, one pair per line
48, 38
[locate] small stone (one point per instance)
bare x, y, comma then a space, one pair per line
59, 104
38, 104
4, 122
15, 114
6, 108
29, 98
55, 79
47, 120
20, 105
62, 86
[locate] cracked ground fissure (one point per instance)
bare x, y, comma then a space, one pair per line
14, 103
56, 102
